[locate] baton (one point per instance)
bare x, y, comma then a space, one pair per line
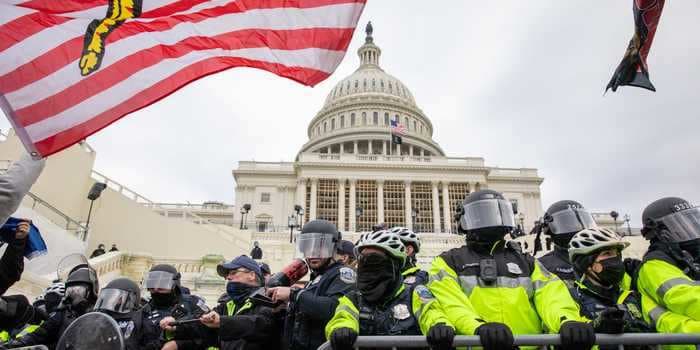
181, 322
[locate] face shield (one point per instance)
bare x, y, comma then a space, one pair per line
682, 226
77, 292
487, 213
116, 300
570, 220
159, 280
316, 245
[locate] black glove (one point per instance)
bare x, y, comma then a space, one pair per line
577, 335
440, 337
610, 321
495, 336
343, 339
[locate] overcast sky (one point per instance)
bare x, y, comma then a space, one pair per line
519, 83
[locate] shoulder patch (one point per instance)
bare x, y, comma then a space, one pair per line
514, 268
202, 305
424, 293
347, 275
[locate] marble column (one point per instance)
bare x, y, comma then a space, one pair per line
301, 192
369, 147
436, 208
342, 147
410, 150
380, 200
351, 207
446, 206
407, 204
383, 147
312, 209
398, 150
354, 147
341, 205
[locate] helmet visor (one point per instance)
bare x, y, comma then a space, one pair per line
77, 291
487, 213
116, 300
683, 225
159, 280
570, 220
316, 245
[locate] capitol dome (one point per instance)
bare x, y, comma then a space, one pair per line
356, 115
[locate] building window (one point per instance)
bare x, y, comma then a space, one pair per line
366, 194
356, 84
421, 128
352, 119
396, 117
394, 203
364, 84
265, 197
375, 118
422, 201
347, 209
325, 126
327, 200
405, 119
381, 85
457, 193
318, 130
332, 124
364, 118
386, 118
391, 89
415, 126
342, 121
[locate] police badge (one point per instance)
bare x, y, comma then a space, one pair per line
401, 312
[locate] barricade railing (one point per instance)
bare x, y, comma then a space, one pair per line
538, 340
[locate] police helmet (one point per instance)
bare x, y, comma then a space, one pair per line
162, 276
318, 239
671, 219
121, 296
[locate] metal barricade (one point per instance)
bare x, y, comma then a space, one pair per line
540, 340
33, 347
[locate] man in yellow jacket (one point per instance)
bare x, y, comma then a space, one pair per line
383, 304
669, 277
489, 287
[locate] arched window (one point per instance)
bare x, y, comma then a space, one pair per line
415, 126
381, 84
374, 84
390, 88
396, 117
318, 130
352, 119
421, 128
342, 121
375, 118
357, 83
364, 118
406, 120
333, 124
386, 118
364, 84
325, 126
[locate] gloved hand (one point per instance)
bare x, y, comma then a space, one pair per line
440, 337
343, 339
495, 336
610, 321
577, 335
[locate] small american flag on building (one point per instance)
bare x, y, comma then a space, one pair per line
397, 128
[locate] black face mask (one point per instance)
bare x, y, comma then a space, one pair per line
239, 292
613, 271
562, 240
376, 277
163, 300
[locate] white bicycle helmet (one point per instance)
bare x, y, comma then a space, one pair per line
407, 236
385, 240
594, 239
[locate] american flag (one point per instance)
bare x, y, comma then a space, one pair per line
69, 68
397, 128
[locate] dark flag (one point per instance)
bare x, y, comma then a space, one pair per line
633, 69
396, 139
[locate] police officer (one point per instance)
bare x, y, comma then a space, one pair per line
168, 303
412, 274
596, 254
120, 299
383, 304
80, 296
670, 271
346, 253
311, 307
12, 261
490, 288
561, 222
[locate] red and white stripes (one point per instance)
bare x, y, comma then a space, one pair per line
172, 43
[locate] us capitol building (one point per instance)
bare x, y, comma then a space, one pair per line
350, 173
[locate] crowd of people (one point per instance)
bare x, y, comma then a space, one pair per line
488, 287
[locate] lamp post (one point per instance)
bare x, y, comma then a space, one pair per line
615, 215
95, 192
521, 217
291, 222
627, 220
414, 214
358, 213
300, 214
244, 216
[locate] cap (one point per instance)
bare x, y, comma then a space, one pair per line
243, 261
